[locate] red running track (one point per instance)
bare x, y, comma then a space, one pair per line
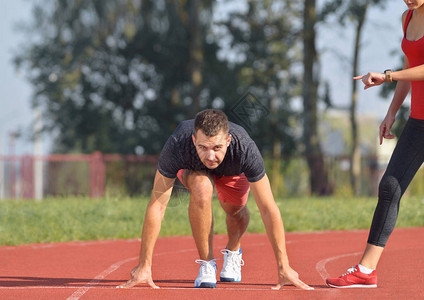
92, 270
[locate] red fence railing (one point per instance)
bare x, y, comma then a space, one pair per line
18, 173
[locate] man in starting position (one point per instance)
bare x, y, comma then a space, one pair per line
205, 153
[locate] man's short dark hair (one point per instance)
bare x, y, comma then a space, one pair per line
211, 122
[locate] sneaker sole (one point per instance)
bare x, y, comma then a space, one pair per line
207, 285
223, 279
352, 286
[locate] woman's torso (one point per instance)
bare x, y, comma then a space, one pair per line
414, 51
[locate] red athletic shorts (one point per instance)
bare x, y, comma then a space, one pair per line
231, 189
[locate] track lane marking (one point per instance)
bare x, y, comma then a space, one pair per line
81, 291
320, 266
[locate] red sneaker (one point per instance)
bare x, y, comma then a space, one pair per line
354, 278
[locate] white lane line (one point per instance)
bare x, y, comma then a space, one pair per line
91, 285
320, 266
81, 291
149, 288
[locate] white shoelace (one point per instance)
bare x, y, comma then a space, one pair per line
350, 270
207, 267
233, 258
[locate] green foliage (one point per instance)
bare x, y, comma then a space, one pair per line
294, 177
129, 178
113, 75
264, 38
117, 76
416, 187
78, 219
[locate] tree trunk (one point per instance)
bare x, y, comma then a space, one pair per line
196, 55
314, 156
355, 154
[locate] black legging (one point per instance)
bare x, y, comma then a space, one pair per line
404, 164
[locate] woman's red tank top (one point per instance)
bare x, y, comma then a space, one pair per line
414, 51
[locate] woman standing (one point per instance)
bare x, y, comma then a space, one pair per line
408, 154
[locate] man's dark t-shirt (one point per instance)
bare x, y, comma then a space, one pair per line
242, 155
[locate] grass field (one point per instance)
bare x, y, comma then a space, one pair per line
72, 219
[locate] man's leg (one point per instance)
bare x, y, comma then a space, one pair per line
232, 193
201, 188
237, 221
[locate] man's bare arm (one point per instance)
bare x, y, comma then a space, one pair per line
155, 212
271, 217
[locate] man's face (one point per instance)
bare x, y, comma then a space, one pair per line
211, 149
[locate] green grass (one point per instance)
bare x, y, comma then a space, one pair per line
71, 219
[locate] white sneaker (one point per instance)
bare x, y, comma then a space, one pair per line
207, 274
231, 270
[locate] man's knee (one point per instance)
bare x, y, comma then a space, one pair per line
236, 212
200, 186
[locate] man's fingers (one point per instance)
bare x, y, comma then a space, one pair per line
123, 286
358, 77
152, 284
296, 282
131, 283
300, 284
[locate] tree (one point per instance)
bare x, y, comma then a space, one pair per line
196, 54
359, 11
356, 12
313, 153
118, 76
263, 40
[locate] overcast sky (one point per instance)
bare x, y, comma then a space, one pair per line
382, 34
